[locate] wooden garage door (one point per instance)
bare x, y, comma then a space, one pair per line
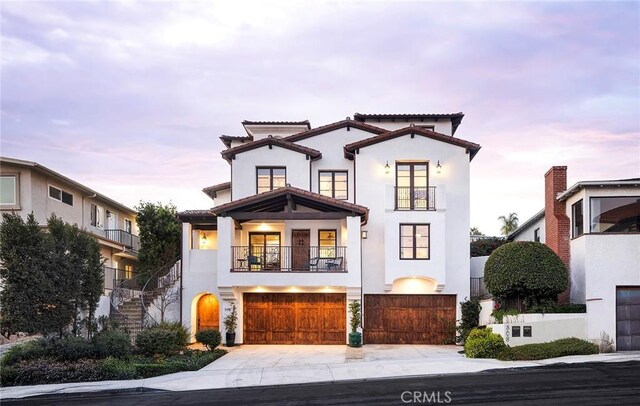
409, 319
628, 318
294, 318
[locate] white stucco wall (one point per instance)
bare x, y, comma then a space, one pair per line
477, 266
543, 328
528, 234
243, 174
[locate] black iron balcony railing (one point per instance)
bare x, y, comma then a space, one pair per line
478, 289
289, 259
125, 238
114, 276
415, 198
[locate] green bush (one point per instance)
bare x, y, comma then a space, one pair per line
470, 318
485, 246
181, 333
554, 307
553, 349
483, 343
211, 338
117, 369
26, 351
111, 343
525, 269
499, 314
157, 340
70, 348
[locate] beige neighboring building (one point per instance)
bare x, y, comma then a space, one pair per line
27, 187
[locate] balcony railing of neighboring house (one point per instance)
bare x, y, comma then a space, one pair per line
289, 259
478, 289
114, 276
415, 198
130, 241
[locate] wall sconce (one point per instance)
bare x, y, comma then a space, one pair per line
438, 168
203, 239
387, 168
364, 234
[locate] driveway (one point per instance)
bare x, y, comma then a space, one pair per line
264, 365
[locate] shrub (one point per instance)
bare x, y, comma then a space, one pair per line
485, 246
499, 314
156, 340
470, 318
111, 343
21, 352
553, 349
181, 333
46, 370
526, 269
483, 343
210, 338
69, 348
553, 307
117, 369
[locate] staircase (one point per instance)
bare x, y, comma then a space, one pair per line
129, 310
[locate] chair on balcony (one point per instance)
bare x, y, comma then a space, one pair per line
312, 265
334, 263
253, 260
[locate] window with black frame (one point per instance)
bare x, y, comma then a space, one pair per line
412, 186
414, 241
270, 178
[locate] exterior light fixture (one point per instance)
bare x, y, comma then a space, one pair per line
203, 239
387, 168
438, 168
364, 234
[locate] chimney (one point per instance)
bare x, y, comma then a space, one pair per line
556, 220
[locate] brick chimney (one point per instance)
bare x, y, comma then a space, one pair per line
556, 220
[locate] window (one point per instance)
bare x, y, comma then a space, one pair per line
412, 186
127, 226
112, 220
61, 195
9, 191
327, 242
414, 241
615, 214
333, 184
536, 235
97, 216
128, 271
577, 220
270, 179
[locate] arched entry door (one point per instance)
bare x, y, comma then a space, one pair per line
208, 313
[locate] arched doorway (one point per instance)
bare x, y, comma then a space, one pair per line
208, 313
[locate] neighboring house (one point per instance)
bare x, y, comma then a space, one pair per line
374, 208
594, 227
28, 187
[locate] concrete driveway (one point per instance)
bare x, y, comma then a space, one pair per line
262, 365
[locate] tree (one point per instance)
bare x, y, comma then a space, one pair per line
51, 277
509, 223
525, 269
475, 231
159, 237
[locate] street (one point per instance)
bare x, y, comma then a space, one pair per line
566, 384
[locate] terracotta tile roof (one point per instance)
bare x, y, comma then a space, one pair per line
211, 191
334, 126
303, 122
270, 141
456, 118
197, 215
331, 203
471, 147
228, 139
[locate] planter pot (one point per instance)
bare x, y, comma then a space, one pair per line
355, 339
231, 339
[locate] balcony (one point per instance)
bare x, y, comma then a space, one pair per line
131, 242
415, 198
114, 276
289, 259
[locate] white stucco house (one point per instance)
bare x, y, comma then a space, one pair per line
594, 226
372, 209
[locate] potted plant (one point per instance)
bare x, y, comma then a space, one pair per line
355, 338
230, 324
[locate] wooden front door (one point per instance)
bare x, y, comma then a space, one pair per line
295, 318
409, 319
300, 240
208, 313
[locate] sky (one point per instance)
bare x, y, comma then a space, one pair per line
129, 98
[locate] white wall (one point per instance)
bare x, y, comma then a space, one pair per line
441, 126
528, 233
477, 266
243, 174
543, 328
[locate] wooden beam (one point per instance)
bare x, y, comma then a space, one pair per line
237, 224
243, 215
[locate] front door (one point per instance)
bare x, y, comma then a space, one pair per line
111, 220
208, 313
300, 250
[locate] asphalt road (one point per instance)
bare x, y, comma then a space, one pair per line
576, 384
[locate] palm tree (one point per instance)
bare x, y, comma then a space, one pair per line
509, 223
475, 231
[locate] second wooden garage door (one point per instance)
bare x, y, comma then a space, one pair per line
409, 319
294, 318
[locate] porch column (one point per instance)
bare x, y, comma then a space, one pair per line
226, 235
354, 265
185, 305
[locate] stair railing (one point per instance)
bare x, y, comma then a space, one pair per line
119, 295
162, 280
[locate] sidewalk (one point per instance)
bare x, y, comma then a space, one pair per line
263, 365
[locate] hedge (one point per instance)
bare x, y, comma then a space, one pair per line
483, 343
210, 338
553, 349
485, 246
